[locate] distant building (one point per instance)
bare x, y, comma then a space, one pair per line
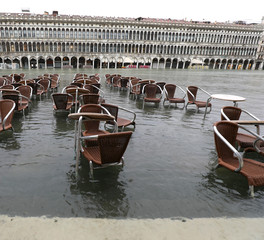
57, 41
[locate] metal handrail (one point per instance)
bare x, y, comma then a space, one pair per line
127, 110
258, 137
161, 91
245, 111
204, 91
177, 86
194, 98
232, 148
7, 115
79, 137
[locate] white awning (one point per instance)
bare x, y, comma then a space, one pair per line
196, 61
128, 60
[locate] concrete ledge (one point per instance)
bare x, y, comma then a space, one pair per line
41, 228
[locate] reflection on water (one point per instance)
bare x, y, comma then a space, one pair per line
102, 197
62, 123
8, 141
169, 163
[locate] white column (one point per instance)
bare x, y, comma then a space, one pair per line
261, 66
184, 64
214, 65
231, 65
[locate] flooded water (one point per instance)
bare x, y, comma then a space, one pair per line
169, 163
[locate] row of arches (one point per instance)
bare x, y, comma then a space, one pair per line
202, 36
46, 47
123, 62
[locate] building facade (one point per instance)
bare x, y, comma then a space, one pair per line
57, 41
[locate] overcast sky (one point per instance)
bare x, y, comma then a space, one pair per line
210, 10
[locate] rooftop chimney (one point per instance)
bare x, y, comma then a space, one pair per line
55, 13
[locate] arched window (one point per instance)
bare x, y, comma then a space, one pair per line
63, 33
95, 47
115, 35
55, 49
50, 33
25, 47
79, 34
54, 32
